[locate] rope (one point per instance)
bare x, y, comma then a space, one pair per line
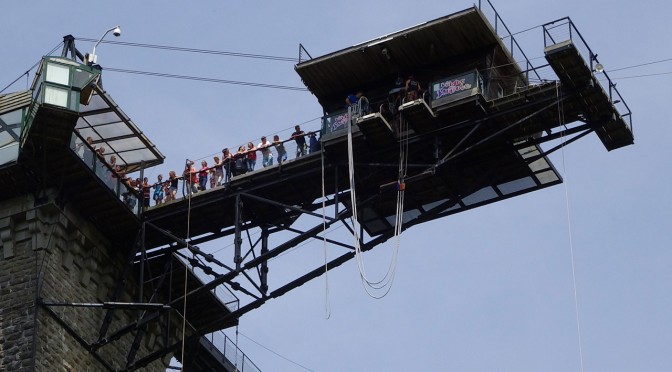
561, 121
186, 269
386, 282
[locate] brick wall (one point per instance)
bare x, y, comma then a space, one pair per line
57, 254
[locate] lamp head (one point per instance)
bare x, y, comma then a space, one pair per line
599, 68
117, 31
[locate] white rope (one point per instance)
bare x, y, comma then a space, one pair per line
569, 226
386, 282
186, 268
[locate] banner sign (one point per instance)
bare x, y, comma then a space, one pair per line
335, 122
453, 85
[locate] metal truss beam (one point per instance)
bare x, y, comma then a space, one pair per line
451, 156
249, 261
586, 131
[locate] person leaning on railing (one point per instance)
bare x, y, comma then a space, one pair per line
145, 189
159, 188
314, 142
266, 154
172, 188
298, 137
203, 175
226, 164
280, 149
239, 161
251, 156
191, 177
216, 172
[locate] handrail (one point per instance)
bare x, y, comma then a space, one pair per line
226, 165
303, 50
232, 352
555, 32
513, 42
113, 180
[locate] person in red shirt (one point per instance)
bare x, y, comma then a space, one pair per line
191, 176
251, 156
145, 192
203, 175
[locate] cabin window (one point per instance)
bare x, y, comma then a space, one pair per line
58, 74
56, 96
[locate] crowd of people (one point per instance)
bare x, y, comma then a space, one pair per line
223, 167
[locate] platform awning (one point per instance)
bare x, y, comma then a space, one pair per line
435, 42
109, 127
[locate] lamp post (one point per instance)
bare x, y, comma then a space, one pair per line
91, 59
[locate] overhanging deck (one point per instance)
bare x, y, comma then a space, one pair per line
598, 105
440, 44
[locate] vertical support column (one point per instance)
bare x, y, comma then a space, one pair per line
238, 241
143, 253
336, 191
143, 202
264, 264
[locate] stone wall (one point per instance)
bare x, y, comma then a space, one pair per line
50, 255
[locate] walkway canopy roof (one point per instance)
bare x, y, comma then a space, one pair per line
108, 126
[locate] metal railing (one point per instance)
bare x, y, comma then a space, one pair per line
131, 196
564, 29
301, 51
128, 195
517, 54
231, 352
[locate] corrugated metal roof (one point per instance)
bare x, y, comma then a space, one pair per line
12, 101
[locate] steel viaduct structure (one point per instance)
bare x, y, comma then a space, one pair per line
479, 133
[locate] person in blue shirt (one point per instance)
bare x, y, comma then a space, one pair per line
313, 143
351, 99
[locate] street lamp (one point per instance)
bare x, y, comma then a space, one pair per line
91, 58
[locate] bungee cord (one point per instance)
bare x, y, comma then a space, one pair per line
561, 121
384, 284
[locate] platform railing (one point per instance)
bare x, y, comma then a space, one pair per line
232, 352
303, 50
290, 147
105, 173
563, 29
505, 34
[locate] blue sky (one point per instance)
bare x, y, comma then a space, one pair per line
486, 290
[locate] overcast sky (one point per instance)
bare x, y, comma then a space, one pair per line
490, 289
